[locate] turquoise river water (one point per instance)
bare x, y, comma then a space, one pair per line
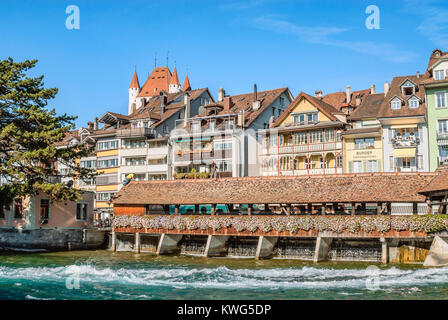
124, 275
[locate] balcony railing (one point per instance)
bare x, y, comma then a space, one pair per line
442, 135
405, 142
135, 132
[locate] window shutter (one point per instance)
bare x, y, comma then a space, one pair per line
365, 165
391, 163
350, 166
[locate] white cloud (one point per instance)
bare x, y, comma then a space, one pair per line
326, 36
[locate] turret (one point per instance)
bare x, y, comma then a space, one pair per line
174, 85
134, 90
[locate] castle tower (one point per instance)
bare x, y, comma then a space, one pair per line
187, 86
174, 85
134, 90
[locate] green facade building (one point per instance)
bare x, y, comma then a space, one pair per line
436, 88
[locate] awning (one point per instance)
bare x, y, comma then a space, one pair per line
442, 142
399, 126
157, 156
181, 163
404, 153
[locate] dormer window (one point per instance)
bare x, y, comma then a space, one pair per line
414, 103
395, 104
439, 74
305, 118
408, 88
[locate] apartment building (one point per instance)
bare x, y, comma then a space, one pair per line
436, 89
305, 139
404, 126
225, 133
362, 141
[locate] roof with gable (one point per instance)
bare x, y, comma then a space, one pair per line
385, 110
439, 183
175, 102
322, 106
339, 99
244, 102
366, 187
369, 108
134, 81
159, 79
435, 57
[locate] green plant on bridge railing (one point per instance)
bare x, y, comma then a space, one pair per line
293, 224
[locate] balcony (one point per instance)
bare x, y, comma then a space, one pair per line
442, 135
135, 132
156, 168
405, 142
136, 168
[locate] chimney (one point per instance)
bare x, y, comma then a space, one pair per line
386, 88
95, 124
187, 102
163, 101
240, 120
358, 100
347, 94
318, 93
418, 75
372, 89
271, 121
255, 103
90, 125
221, 94
227, 103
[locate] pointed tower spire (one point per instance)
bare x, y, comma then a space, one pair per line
134, 82
174, 85
187, 86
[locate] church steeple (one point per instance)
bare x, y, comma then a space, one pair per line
134, 81
134, 90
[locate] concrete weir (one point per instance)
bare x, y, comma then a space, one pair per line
216, 246
265, 248
168, 243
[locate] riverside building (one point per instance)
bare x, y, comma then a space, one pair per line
224, 133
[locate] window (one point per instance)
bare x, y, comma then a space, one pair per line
392, 163
395, 104
419, 162
285, 163
357, 166
106, 145
229, 124
443, 126
224, 166
87, 164
300, 138
339, 162
81, 211
133, 144
165, 129
329, 135
134, 161
373, 167
406, 163
440, 100
104, 196
44, 209
413, 103
338, 136
316, 137
305, 118
364, 143
273, 139
222, 145
110, 163
439, 74
18, 209
298, 119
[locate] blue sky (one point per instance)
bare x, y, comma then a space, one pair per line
305, 45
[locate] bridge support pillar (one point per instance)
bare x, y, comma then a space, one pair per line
384, 251
216, 246
265, 248
114, 241
322, 249
438, 253
168, 243
137, 242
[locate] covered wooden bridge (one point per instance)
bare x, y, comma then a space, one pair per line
381, 193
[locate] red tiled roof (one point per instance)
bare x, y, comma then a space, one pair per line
134, 82
339, 99
368, 108
435, 56
385, 110
439, 183
322, 106
372, 187
157, 80
187, 86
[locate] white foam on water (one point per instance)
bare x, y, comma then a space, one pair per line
225, 278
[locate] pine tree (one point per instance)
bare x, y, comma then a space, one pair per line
29, 136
